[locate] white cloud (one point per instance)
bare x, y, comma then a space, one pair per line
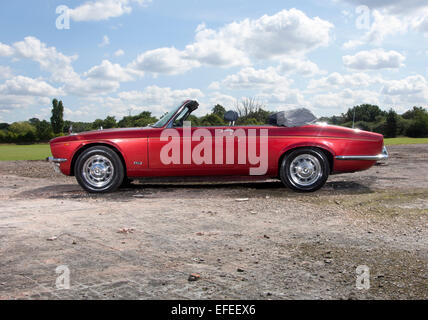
374, 59
250, 78
164, 60
288, 32
58, 64
156, 99
24, 86
109, 71
302, 67
5, 50
337, 102
410, 85
119, 53
103, 9
407, 92
5, 72
336, 80
393, 6
105, 42
391, 18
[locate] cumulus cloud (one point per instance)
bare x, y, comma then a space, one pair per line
109, 71
49, 59
24, 86
5, 50
336, 80
374, 59
103, 9
393, 6
288, 32
164, 60
250, 78
302, 67
410, 85
5, 72
391, 18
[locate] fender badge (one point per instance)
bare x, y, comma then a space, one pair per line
138, 163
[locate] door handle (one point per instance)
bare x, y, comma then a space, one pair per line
229, 131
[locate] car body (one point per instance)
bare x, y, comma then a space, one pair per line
139, 150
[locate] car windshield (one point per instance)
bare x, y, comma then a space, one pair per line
164, 120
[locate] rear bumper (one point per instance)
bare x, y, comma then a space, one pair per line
383, 156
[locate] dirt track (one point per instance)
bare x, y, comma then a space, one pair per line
277, 245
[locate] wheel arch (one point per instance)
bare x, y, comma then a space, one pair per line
328, 153
85, 147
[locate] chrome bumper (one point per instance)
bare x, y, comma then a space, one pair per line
383, 156
56, 160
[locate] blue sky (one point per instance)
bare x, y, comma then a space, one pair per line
126, 56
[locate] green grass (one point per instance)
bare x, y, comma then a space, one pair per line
10, 152
404, 140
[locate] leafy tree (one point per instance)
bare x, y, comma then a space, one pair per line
109, 122
219, 110
57, 119
97, 124
144, 119
44, 131
211, 120
418, 127
364, 112
22, 132
391, 124
413, 113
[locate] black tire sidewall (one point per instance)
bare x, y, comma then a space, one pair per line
119, 173
285, 170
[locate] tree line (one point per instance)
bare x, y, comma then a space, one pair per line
412, 123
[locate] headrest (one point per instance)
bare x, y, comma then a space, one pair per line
231, 116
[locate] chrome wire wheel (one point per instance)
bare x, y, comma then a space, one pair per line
98, 171
305, 170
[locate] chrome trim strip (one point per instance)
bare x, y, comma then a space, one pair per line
55, 160
383, 156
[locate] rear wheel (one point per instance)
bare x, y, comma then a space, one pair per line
305, 170
99, 170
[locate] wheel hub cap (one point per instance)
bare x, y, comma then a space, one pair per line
305, 169
98, 171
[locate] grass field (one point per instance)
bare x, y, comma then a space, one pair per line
404, 140
9, 152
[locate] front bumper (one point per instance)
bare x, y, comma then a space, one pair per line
56, 160
383, 156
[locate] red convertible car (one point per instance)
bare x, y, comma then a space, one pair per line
302, 157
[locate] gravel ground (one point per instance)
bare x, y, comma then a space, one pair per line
253, 240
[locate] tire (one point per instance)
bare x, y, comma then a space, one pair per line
127, 183
99, 170
305, 170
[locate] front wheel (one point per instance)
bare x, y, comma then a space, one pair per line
305, 170
99, 170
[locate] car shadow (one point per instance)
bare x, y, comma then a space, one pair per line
189, 190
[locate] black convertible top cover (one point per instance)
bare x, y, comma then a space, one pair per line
292, 118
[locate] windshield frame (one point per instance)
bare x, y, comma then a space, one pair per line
170, 115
